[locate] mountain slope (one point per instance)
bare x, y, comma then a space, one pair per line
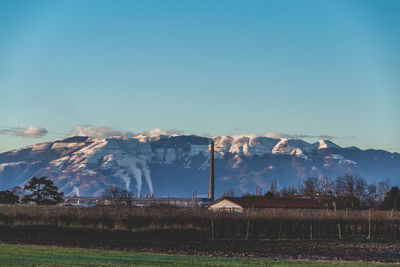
178, 165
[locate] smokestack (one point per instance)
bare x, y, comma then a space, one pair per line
211, 190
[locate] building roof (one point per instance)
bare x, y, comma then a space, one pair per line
261, 202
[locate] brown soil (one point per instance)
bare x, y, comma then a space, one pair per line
193, 242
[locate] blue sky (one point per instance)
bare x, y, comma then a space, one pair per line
204, 67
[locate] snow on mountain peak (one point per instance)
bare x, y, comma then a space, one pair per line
326, 144
157, 134
292, 147
248, 145
87, 165
253, 144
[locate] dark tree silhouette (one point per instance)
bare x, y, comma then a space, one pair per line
42, 191
269, 194
18, 191
392, 199
350, 190
289, 192
8, 197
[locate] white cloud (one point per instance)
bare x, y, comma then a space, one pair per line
158, 131
104, 132
31, 131
299, 136
99, 132
276, 135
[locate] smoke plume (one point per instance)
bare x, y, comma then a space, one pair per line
137, 173
146, 172
127, 181
135, 168
76, 190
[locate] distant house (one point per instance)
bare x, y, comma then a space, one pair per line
239, 204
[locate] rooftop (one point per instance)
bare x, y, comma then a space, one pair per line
261, 202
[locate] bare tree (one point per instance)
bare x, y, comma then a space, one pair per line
351, 184
273, 188
289, 192
361, 186
118, 196
229, 193
383, 189
259, 190
372, 192
325, 186
350, 189
310, 187
372, 195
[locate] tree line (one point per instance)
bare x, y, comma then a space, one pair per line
41, 191
346, 191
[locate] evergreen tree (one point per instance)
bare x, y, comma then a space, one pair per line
392, 199
8, 197
269, 194
42, 191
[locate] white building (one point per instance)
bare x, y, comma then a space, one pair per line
238, 204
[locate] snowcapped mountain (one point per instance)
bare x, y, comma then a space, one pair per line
178, 165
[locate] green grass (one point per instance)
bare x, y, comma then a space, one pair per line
26, 255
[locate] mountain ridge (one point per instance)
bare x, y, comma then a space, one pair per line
176, 164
